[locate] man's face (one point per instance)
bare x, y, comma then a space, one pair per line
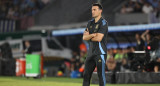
27, 44
96, 11
137, 37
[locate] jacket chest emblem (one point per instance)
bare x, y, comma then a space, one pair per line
90, 27
96, 28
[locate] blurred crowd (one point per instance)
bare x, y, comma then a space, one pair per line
16, 9
22, 11
150, 7
139, 6
146, 59
124, 59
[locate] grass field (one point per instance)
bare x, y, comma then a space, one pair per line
53, 81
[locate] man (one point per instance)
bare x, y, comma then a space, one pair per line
140, 43
28, 49
96, 34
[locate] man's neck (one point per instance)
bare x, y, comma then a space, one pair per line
97, 18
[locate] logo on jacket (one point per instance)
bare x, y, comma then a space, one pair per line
99, 60
96, 28
90, 27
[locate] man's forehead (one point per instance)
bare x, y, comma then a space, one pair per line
94, 7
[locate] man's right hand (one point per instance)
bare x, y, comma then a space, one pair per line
93, 34
87, 36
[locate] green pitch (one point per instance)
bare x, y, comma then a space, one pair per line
52, 81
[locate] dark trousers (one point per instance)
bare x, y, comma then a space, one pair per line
90, 64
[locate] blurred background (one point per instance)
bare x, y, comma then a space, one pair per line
43, 38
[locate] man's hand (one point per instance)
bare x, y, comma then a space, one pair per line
144, 34
87, 36
97, 37
93, 35
86, 33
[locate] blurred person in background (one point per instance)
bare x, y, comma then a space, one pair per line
11, 12
28, 48
29, 11
17, 9
17, 12
147, 8
157, 65
158, 12
83, 52
31, 3
3, 11
82, 60
155, 42
64, 69
109, 53
96, 34
110, 61
146, 36
130, 54
137, 8
154, 3
82, 57
129, 9
23, 5
125, 51
125, 65
154, 52
154, 15
75, 61
140, 45
123, 9
126, 9
45, 1
111, 66
34, 11
119, 55
131, 3
141, 2
76, 65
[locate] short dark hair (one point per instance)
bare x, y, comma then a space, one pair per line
99, 5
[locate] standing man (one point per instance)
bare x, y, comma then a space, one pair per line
28, 49
96, 35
